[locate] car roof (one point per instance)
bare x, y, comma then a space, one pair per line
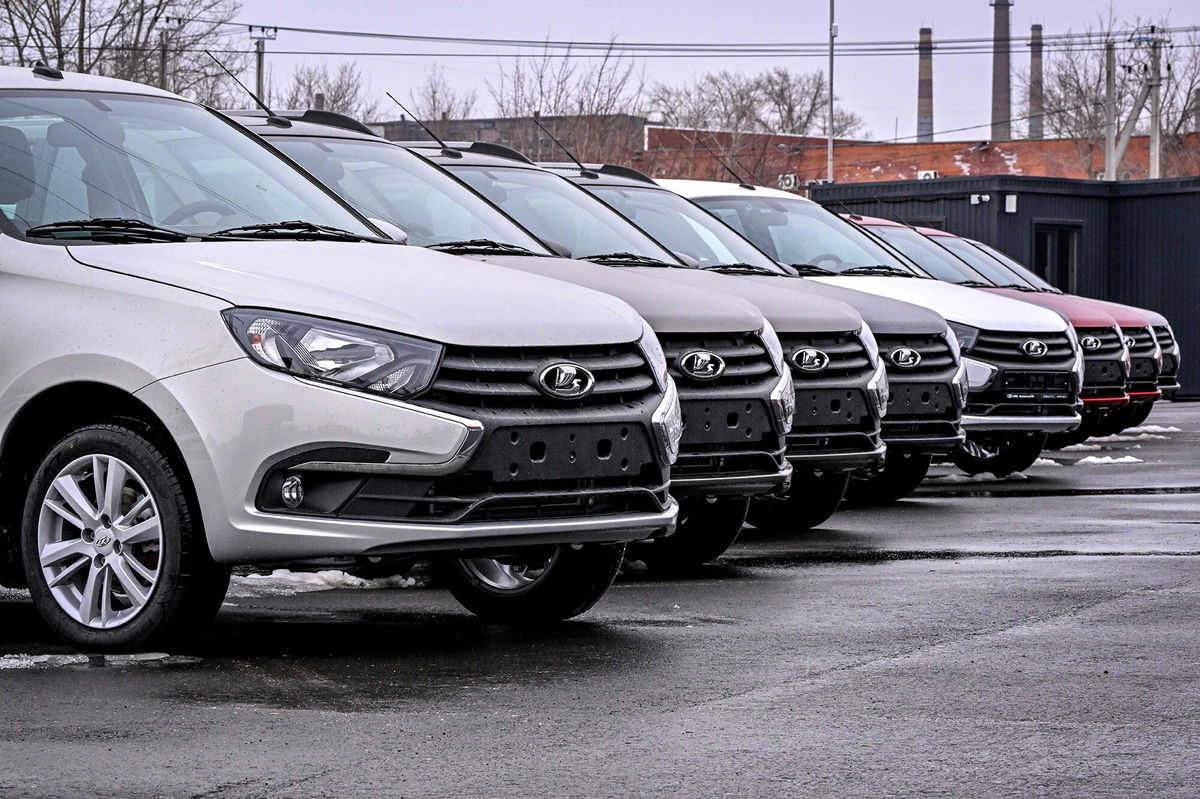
874, 221
27, 78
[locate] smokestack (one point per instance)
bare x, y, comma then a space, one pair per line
1196, 111
925, 86
1001, 74
1037, 107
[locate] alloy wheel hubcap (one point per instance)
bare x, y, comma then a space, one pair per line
99, 540
508, 575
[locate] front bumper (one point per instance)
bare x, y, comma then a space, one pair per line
1030, 424
922, 419
232, 447
730, 446
834, 429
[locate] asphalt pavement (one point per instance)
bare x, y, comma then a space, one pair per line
1020, 637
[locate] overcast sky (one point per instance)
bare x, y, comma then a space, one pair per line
880, 89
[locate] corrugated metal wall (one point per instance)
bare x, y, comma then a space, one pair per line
1139, 241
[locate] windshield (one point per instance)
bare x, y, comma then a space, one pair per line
388, 182
67, 156
979, 260
683, 226
927, 254
558, 211
1019, 271
798, 232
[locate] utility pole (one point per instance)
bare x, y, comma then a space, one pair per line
1110, 110
261, 35
1156, 107
829, 116
162, 60
82, 32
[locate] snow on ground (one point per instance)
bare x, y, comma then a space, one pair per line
283, 581
1046, 462
1127, 437
1080, 448
986, 477
1151, 428
23, 661
1105, 460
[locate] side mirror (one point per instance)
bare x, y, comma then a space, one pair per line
559, 249
688, 260
393, 232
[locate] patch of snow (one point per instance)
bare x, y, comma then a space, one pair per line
1046, 462
13, 662
1080, 448
1010, 160
283, 581
985, 477
1151, 428
963, 165
1105, 460
876, 169
1126, 437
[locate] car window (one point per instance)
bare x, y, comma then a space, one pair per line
84, 155
798, 232
980, 261
682, 226
386, 181
558, 211
927, 254
1021, 272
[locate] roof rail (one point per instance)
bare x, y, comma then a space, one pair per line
312, 115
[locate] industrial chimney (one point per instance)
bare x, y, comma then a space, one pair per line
1037, 107
1001, 73
925, 86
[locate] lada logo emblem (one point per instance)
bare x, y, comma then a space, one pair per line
103, 541
904, 357
810, 360
1090, 343
1130, 342
566, 381
702, 365
1034, 348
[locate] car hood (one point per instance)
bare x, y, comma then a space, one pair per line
957, 303
788, 310
404, 289
1079, 311
668, 308
1131, 315
886, 317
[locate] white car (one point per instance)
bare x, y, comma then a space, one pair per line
1024, 363
210, 360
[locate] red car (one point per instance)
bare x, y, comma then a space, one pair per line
1121, 355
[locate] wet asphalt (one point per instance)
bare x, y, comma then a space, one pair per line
1034, 637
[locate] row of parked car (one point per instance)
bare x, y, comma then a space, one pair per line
217, 353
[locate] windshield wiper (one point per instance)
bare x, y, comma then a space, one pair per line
878, 269
978, 284
743, 269
624, 259
481, 246
812, 269
117, 230
1021, 287
296, 229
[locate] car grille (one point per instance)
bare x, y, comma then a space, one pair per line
936, 358
1170, 367
1004, 348
505, 377
847, 358
1143, 365
746, 362
1104, 366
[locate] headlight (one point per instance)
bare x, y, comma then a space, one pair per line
979, 374
961, 386
952, 341
966, 335
783, 402
770, 341
878, 390
652, 349
872, 346
1077, 348
668, 424
356, 357
1125, 359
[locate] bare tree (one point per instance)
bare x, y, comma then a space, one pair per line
436, 99
122, 38
344, 89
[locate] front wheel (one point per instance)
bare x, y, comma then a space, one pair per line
1001, 455
546, 585
900, 476
112, 546
707, 527
810, 501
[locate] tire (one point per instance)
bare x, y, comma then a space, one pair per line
900, 476
1086, 429
1001, 455
810, 501
119, 585
706, 529
570, 581
1138, 414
